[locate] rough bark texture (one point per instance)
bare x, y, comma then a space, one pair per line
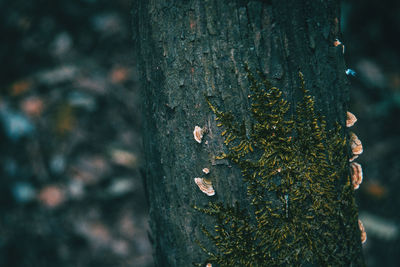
188, 49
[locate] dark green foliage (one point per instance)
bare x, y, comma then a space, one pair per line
298, 185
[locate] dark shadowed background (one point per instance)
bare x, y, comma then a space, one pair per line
71, 192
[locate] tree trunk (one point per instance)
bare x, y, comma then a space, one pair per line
189, 49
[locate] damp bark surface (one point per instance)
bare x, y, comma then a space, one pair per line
186, 50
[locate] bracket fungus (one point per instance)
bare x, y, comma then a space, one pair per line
353, 158
356, 174
337, 43
198, 134
356, 146
363, 233
205, 186
351, 119
206, 170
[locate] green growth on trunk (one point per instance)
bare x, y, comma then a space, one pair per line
298, 184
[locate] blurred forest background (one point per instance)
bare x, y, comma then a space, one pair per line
71, 192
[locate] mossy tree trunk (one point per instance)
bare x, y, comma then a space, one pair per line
189, 49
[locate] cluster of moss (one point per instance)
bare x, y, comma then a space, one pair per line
296, 172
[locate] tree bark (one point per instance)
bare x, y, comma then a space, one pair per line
188, 49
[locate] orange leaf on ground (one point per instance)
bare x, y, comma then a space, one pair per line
376, 190
32, 106
20, 87
119, 74
51, 196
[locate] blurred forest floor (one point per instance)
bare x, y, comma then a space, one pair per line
71, 192
371, 33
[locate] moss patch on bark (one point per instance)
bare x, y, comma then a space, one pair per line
298, 184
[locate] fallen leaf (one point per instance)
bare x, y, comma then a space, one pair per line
119, 74
376, 190
20, 87
51, 196
32, 106
65, 119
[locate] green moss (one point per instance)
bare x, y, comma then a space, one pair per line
298, 184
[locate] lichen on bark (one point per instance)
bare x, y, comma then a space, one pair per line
298, 185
